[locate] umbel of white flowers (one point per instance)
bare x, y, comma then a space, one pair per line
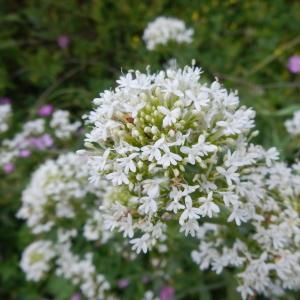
166, 29
174, 148
55, 204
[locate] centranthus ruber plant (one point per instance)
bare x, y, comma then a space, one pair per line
177, 151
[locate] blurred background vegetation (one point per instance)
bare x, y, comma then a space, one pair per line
65, 52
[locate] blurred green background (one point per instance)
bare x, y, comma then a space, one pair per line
246, 44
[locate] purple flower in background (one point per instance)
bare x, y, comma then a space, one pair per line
42, 142
167, 293
63, 41
24, 153
145, 279
5, 100
123, 283
75, 297
294, 64
47, 140
8, 168
45, 110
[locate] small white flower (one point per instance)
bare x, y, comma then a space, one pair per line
169, 158
238, 215
171, 116
230, 174
126, 226
190, 212
141, 244
154, 151
198, 150
175, 206
293, 125
128, 163
271, 155
118, 177
149, 205
190, 227
208, 208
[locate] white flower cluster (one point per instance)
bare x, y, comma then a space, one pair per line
293, 125
165, 29
5, 115
268, 259
63, 128
37, 135
175, 148
36, 259
82, 272
41, 256
55, 192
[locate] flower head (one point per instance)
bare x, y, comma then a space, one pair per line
45, 110
24, 153
167, 293
165, 29
63, 41
8, 168
36, 259
174, 148
294, 64
54, 193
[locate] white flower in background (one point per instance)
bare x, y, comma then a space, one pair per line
62, 204
81, 272
36, 259
55, 192
37, 135
293, 125
63, 128
5, 115
268, 260
208, 207
165, 29
94, 228
174, 148
149, 295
